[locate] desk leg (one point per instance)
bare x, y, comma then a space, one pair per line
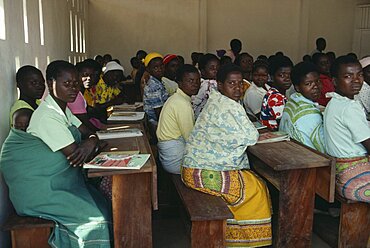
132, 215
296, 204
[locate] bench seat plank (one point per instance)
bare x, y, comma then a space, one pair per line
28, 232
201, 206
23, 222
208, 216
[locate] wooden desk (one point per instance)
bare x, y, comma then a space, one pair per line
134, 193
292, 169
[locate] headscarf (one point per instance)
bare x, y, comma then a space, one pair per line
167, 59
365, 62
112, 66
151, 56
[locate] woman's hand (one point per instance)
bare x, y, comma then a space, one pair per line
78, 155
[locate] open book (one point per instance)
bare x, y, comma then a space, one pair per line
126, 116
115, 133
270, 137
258, 125
117, 161
128, 107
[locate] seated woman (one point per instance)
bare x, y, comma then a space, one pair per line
88, 72
323, 64
177, 120
254, 95
31, 85
274, 101
109, 89
347, 133
171, 65
302, 119
208, 66
216, 162
39, 167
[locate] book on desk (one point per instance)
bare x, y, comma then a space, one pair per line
126, 116
269, 137
128, 107
118, 160
119, 132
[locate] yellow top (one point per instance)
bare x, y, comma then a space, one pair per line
105, 93
177, 117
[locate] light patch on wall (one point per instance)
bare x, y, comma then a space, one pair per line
74, 60
36, 62
25, 21
47, 60
2, 21
71, 28
69, 59
73, 3
76, 34
17, 63
41, 18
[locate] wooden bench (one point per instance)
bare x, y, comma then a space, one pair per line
354, 223
207, 213
28, 232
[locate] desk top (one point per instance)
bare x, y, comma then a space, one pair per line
288, 155
127, 144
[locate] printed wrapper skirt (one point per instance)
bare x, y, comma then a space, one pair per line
247, 198
353, 178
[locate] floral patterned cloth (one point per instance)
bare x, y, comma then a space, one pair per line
90, 96
272, 108
220, 136
105, 93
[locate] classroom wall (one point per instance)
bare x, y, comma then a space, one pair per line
264, 26
123, 27
14, 52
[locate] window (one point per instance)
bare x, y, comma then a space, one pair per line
25, 21
80, 36
83, 38
41, 18
71, 28
2, 21
76, 34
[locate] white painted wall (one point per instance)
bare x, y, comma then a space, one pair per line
13, 51
177, 26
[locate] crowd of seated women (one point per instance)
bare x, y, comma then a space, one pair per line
200, 116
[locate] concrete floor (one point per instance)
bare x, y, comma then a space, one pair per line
170, 227
170, 232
